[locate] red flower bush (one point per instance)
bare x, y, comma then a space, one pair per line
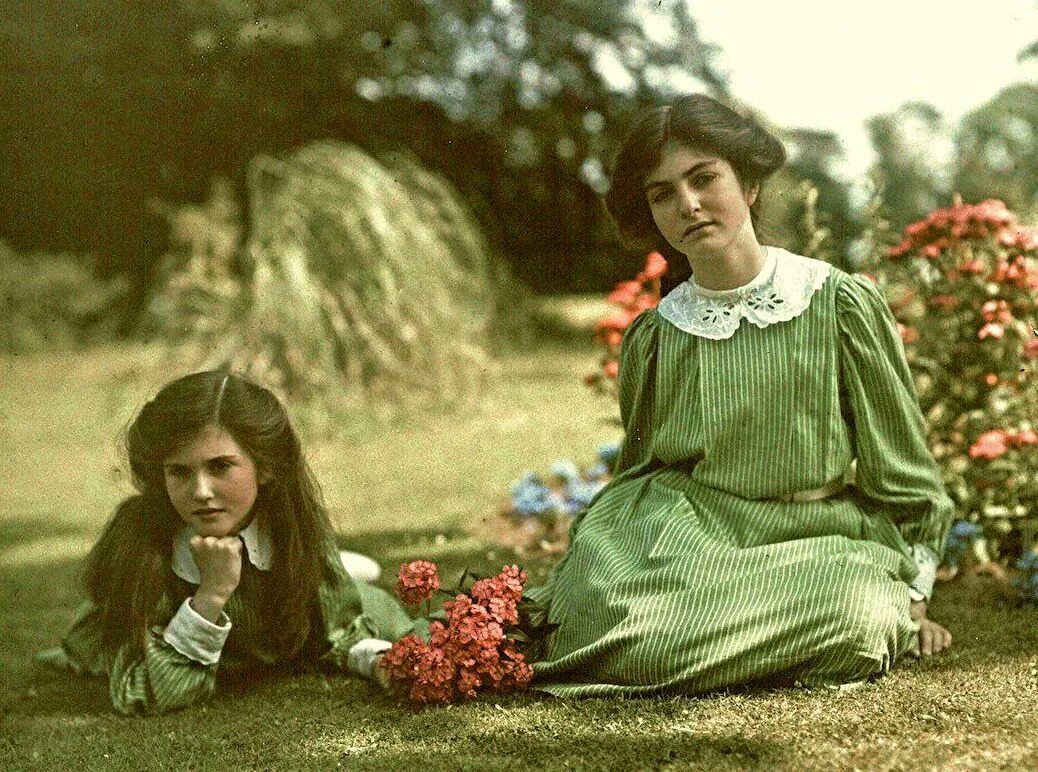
943, 229
633, 297
475, 651
968, 322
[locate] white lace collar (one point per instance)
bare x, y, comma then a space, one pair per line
780, 292
258, 547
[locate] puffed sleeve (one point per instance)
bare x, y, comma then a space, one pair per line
638, 354
896, 471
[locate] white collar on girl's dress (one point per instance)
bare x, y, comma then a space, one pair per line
258, 547
780, 292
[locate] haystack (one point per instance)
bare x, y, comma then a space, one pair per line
359, 281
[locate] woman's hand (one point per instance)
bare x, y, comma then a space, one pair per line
933, 639
219, 565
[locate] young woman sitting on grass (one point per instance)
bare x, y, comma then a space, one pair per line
729, 547
225, 559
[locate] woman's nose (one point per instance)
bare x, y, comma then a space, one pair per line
688, 201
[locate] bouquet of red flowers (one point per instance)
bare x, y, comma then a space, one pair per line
478, 646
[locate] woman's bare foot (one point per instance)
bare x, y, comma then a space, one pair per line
933, 638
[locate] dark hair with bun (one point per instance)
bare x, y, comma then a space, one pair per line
695, 121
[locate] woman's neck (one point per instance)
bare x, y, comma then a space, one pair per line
736, 266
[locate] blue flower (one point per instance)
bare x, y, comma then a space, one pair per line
1028, 562
564, 469
608, 453
1027, 588
1027, 584
532, 504
598, 471
580, 492
531, 497
963, 529
960, 538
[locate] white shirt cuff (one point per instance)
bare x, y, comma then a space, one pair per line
196, 637
363, 654
926, 561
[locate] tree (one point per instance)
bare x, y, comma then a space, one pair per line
911, 144
997, 149
806, 199
108, 107
516, 101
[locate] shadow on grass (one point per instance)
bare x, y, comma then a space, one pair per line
454, 550
21, 530
585, 751
38, 598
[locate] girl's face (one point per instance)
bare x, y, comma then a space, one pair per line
698, 202
212, 483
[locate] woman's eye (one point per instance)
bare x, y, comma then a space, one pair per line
179, 472
220, 465
704, 179
659, 196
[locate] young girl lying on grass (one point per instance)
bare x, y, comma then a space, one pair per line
224, 559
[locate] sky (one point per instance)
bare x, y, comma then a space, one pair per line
832, 64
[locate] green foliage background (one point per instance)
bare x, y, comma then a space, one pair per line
111, 105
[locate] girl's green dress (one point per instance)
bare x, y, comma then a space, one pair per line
700, 566
159, 678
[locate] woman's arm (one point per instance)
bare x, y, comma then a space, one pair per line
176, 666
896, 471
637, 385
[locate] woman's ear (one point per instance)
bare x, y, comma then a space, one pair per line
751, 193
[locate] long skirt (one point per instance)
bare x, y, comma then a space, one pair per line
669, 586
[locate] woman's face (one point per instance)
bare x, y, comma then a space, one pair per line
212, 482
698, 202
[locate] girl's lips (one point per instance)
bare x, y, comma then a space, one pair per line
207, 512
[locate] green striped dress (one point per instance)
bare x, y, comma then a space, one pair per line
160, 678
692, 570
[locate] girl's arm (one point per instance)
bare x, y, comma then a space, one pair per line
175, 665
360, 621
178, 663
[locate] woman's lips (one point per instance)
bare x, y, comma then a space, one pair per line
207, 512
695, 228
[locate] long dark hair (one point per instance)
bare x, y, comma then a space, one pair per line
694, 121
127, 573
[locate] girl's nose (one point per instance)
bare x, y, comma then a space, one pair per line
203, 488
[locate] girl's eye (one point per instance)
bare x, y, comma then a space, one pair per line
661, 195
178, 472
704, 179
220, 465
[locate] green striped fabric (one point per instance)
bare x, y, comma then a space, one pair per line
161, 679
688, 573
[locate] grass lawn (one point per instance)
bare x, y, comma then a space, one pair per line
424, 489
